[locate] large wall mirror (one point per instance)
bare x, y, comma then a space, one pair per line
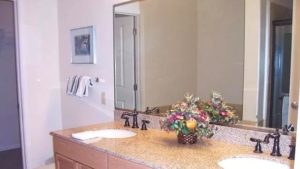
164, 49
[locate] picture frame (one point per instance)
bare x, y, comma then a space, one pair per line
82, 41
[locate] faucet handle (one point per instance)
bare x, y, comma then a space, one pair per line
257, 146
126, 122
144, 127
124, 116
292, 152
287, 128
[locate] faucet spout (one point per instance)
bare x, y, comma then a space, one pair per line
267, 139
276, 147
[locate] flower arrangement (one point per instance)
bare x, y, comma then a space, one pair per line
187, 118
219, 111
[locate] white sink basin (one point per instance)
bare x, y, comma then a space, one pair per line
115, 133
250, 163
105, 133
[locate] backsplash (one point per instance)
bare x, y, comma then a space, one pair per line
225, 134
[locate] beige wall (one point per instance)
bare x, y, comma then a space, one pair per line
168, 55
252, 55
221, 27
295, 73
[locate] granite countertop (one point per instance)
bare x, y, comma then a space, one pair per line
159, 149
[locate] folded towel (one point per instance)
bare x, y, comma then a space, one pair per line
85, 135
75, 85
70, 85
84, 82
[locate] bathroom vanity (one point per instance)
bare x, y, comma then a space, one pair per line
152, 148
71, 155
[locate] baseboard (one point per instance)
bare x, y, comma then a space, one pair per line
10, 147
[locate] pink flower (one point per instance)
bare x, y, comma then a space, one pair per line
179, 117
224, 113
203, 116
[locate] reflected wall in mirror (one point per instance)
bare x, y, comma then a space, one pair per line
240, 48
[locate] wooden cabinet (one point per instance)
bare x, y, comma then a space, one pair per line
118, 163
72, 155
82, 154
81, 166
64, 163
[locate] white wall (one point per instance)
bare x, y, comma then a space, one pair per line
99, 106
41, 75
9, 116
38, 34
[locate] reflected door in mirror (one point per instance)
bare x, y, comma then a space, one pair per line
124, 61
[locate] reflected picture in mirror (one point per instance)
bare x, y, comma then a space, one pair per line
239, 48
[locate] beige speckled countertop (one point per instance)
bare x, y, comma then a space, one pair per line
158, 149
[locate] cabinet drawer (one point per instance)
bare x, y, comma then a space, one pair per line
84, 155
118, 163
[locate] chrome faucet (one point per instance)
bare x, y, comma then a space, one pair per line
276, 137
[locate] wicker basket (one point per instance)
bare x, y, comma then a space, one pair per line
187, 138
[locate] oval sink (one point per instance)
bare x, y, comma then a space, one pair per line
114, 133
250, 163
105, 133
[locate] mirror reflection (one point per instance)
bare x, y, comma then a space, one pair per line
238, 48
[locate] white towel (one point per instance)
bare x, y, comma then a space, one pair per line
75, 85
84, 82
70, 85
285, 110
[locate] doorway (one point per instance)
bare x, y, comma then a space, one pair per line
280, 73
125, 43
10, 134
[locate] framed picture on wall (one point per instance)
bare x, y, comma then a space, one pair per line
83, 50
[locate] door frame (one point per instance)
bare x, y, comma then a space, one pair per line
19, 84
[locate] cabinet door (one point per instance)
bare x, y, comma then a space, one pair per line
118, 163
81, 166
64, 163
80, 153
